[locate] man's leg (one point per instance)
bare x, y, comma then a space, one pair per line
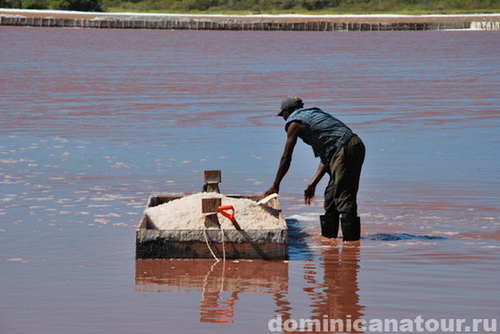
346, 170
330, 220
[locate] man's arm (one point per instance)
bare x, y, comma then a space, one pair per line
286, 159
311, 188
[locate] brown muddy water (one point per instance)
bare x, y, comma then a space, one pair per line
93, 122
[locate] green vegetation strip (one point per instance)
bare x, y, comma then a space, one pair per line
244, 7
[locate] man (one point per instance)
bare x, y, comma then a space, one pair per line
341, 153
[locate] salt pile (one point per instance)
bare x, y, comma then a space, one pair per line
185, 214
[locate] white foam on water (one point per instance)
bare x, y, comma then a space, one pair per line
305, 217
256, 157
109, 215
39, 199
123, 225
17, 259
110, 197
448, 233
82, 213
121, 164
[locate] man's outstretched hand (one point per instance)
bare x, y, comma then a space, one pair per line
309, 194
272, 190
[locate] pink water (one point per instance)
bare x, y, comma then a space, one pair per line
95, 121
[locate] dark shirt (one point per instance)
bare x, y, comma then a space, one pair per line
323, 132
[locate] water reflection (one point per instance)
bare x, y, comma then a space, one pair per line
298, 249
220, 283
331, 287
335, 299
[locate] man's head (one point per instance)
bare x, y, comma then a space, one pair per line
289, 104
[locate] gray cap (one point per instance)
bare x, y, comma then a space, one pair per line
290, 102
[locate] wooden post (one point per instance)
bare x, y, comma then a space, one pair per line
209, 207
212, 180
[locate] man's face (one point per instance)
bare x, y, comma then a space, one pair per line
285, 114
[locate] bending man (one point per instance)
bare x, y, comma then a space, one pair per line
341, 153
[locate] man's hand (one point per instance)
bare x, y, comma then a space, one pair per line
272, 190
311, 188
309, 194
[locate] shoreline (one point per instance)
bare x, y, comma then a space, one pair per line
295, 22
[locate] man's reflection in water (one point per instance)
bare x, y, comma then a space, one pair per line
335, 301
333, 298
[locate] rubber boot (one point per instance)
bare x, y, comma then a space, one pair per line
351, 228
329, 225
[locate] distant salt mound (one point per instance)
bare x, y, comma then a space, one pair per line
185, 214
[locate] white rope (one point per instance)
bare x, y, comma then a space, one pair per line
223, 240
210, 271
208, 245
223, 243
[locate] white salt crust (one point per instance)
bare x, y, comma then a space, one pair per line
185, 214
